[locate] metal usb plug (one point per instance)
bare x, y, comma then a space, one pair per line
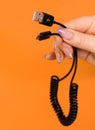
43, 18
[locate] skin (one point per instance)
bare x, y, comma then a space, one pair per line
81, 35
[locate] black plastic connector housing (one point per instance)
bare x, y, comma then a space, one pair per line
44, 35
43, 18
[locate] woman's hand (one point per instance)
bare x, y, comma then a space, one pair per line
80, 33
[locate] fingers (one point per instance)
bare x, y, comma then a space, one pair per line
80, 33
78, 39
87, 56
82, 54
64, 47
57, 54
91, 58
50, 56
83, 24
61, 50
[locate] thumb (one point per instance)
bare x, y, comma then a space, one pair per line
78, 39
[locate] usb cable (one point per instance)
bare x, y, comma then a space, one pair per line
45, 19
48, 20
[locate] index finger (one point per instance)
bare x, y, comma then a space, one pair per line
85, 24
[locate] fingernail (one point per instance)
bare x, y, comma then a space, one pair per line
59, 58
68, 53
55, 46
65, 33
46, 56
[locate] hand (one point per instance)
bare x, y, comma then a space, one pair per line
80, 33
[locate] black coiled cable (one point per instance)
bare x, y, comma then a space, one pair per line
73, 102
66, 121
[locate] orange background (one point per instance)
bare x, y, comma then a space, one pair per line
25, 75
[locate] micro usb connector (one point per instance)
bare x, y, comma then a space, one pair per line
44, 35
43, 18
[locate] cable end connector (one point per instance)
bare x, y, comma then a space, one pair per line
43, 18
43, 35
38, 16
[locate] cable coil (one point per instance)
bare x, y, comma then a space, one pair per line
73, 102
54, 83
48, 20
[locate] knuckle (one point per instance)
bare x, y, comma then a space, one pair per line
79, 40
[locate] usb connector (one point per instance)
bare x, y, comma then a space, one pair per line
44, 35
38, 16
48, 20
43, 18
